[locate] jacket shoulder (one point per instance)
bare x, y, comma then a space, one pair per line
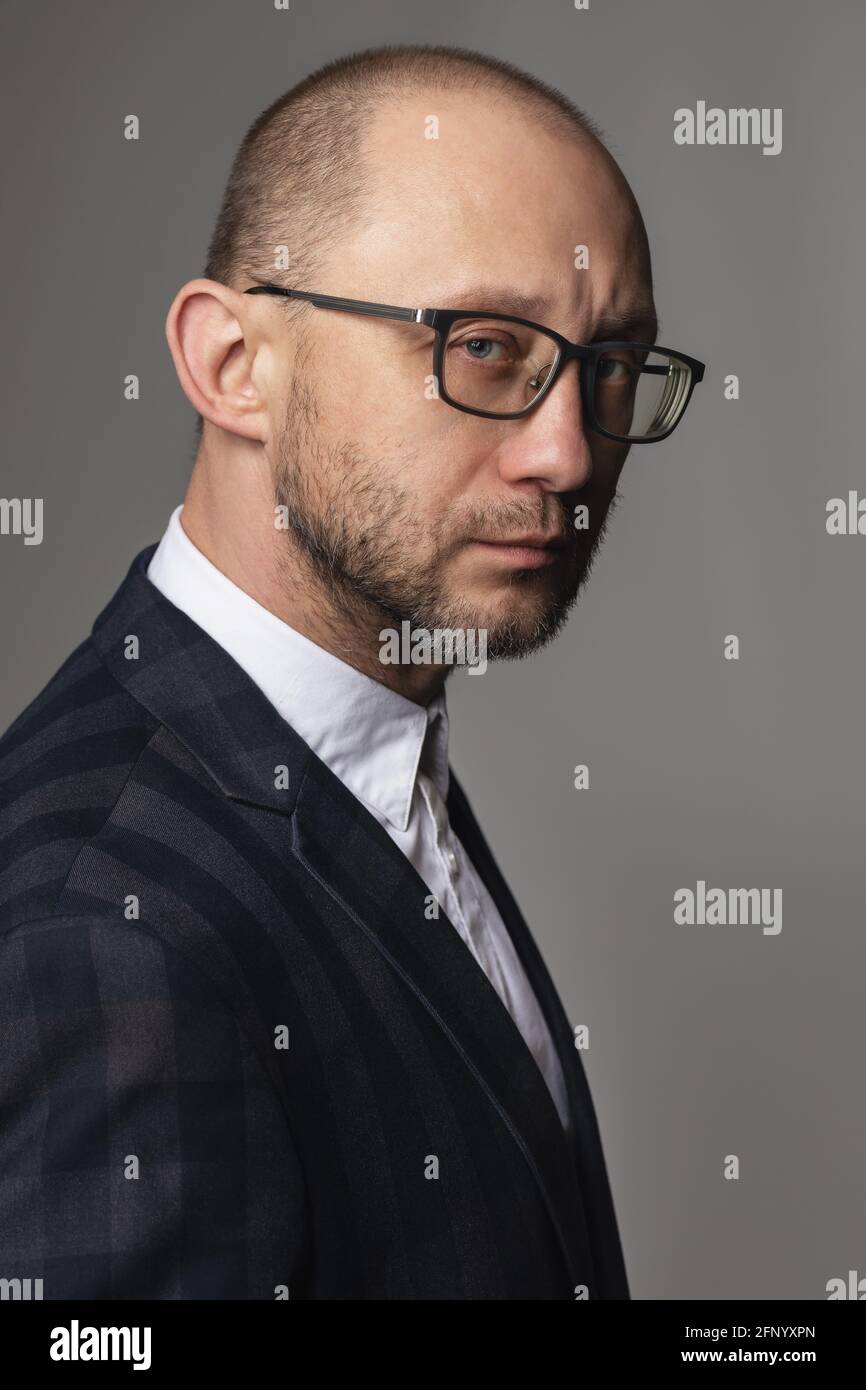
63, 765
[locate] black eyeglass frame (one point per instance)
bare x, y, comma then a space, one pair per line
442, 321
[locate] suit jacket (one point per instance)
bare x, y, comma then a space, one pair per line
238, 1060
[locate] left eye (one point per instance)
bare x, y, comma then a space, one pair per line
609, 369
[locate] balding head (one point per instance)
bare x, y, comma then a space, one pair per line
302, 176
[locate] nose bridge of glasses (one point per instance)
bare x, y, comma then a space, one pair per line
570, 352
567, 352
554, 374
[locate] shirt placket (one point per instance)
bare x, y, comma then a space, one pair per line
464, 909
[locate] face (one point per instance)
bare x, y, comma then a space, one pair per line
402, 506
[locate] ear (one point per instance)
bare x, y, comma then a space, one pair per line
215, 348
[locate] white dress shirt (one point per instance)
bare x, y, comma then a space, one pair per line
391, 753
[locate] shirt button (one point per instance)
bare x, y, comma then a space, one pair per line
451, 860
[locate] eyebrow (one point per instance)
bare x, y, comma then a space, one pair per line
506, 301
642, 319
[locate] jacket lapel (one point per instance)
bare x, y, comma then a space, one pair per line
354, 860
598, 1215
197, 690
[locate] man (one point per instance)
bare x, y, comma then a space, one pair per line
273, 1025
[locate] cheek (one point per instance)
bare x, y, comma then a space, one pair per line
438, 458
461, 477
608, 458
376, 380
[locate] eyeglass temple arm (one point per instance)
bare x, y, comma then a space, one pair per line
428, 317
348, 306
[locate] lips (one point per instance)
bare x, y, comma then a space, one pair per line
533, 542
526, 553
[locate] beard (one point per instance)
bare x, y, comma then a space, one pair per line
357, 534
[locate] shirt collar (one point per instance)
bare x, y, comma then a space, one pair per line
370, 737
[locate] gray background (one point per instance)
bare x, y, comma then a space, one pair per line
703, 1041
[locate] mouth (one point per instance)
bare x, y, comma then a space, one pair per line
528, 552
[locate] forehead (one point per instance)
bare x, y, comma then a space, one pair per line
495, 197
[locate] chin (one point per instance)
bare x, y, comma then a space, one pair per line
517, 624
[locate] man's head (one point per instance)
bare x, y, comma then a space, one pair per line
419, 178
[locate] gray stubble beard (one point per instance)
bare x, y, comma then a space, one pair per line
355, 545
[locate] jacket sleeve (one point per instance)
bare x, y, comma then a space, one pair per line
144, 1150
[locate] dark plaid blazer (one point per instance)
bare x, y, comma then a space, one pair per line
236, 1058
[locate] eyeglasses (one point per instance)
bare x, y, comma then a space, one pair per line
502, 367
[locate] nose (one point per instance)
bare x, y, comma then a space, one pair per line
549, 445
